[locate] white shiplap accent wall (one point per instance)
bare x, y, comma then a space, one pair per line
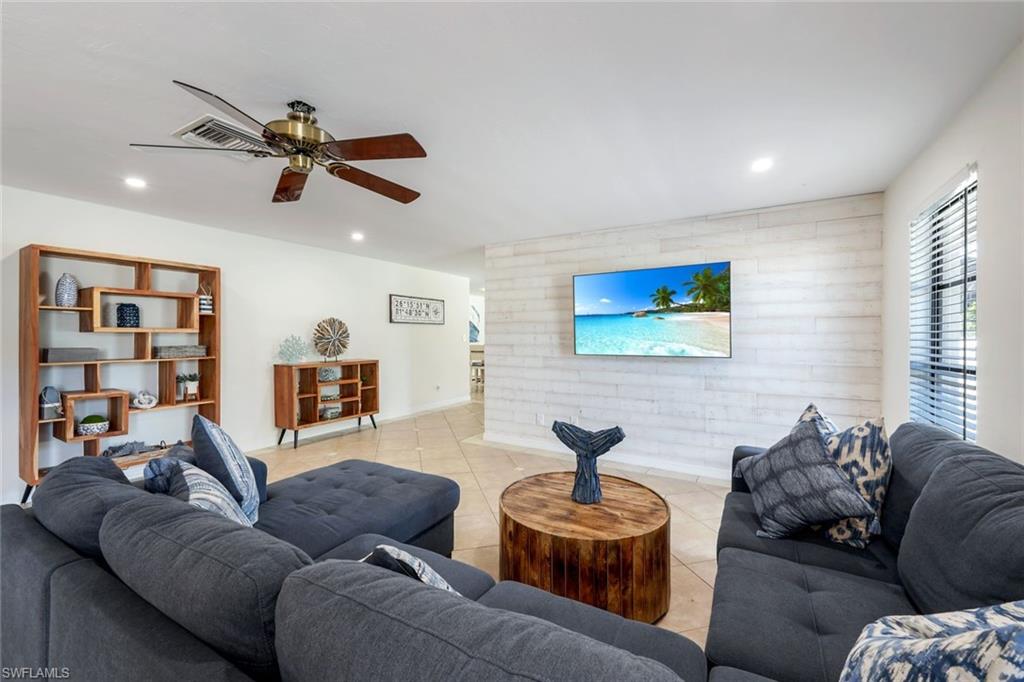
806, 297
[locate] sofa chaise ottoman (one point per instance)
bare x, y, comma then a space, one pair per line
321, 509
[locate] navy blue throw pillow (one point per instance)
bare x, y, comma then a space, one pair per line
795, 484
218, 455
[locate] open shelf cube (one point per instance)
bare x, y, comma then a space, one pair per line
91, 298
117, 414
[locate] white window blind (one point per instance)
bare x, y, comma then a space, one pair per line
943, 274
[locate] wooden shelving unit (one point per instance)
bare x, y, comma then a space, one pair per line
205, 328
298, 394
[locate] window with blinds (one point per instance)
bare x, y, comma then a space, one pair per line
943, 274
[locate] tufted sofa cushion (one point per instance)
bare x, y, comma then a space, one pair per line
739, 531
792, 622
320, 509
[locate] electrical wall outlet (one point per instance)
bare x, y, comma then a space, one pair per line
540, 419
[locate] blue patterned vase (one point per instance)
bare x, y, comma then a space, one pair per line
127, 315
66, 295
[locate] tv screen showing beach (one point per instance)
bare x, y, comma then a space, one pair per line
680, 311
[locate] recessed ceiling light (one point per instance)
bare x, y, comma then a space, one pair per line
482, 289
762, 164
357, 236
135, 183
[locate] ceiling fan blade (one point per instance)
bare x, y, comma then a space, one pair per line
373, 183
400, 146
234, 112
289, 186
176, 147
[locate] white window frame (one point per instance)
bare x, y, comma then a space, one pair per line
943, 311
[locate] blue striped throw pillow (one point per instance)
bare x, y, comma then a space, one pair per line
200, 489
218, 455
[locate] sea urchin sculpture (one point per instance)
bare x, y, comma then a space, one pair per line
330, 337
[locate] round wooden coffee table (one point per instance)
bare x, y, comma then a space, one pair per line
613, 554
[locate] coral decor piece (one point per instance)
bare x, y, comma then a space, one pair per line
588, 446
330, 337
293, 349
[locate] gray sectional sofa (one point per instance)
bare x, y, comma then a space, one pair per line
952, 538
63, 606
146, 587
150, 588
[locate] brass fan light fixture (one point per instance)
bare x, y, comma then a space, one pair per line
306, 145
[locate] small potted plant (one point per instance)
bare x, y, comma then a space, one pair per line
93, 425
190, 385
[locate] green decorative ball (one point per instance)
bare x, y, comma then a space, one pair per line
93, 419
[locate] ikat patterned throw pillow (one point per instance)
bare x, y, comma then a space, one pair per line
967, 646
862, 453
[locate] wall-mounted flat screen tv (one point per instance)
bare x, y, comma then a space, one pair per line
678, 311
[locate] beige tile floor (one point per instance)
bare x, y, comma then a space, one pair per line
449, 443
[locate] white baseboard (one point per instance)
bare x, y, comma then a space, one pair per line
315, 433
430, 407
631, 460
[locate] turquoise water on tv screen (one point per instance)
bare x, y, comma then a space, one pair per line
669, 334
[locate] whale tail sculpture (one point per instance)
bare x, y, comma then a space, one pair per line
588, 446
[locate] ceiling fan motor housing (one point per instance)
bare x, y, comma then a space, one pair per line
302, 131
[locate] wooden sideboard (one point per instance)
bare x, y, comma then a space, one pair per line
300, 394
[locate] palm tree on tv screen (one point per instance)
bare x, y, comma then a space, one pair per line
709, 291
662, 297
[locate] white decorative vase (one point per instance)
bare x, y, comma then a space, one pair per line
66, 295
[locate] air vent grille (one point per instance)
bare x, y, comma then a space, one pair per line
210, 131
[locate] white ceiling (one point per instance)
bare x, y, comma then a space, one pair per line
537, 119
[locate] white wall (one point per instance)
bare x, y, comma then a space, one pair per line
806, 304
270, 289
988, 131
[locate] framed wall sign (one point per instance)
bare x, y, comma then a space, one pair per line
416, 310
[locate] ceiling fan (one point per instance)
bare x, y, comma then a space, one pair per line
306, 145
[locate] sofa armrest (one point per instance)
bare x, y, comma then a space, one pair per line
32, 555
742, 452
259, 470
